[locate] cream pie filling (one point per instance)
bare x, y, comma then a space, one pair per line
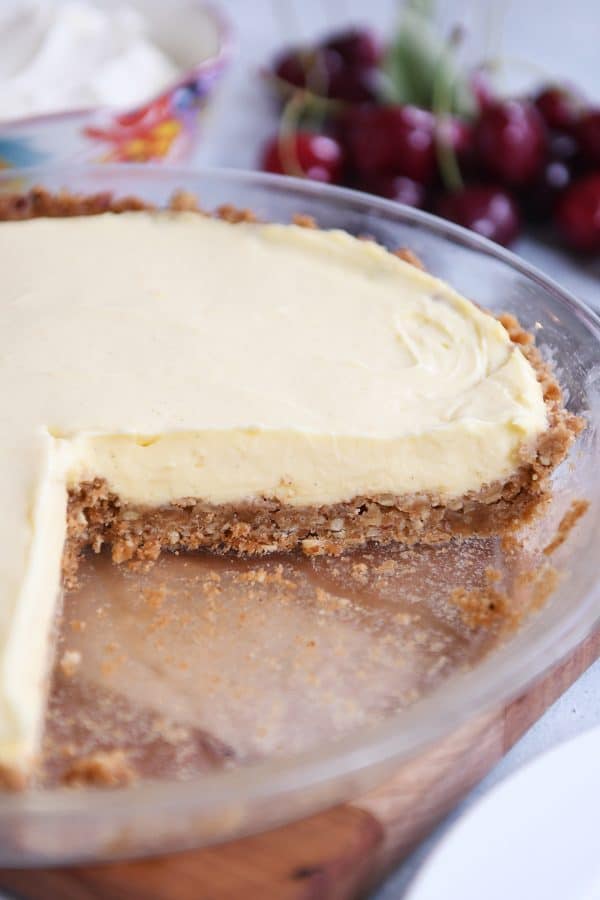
178, 356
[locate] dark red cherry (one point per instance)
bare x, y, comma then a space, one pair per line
563, 146
316, 70
304, 154
398, 140
360, 48
560, 108
459, 135
578, 214
395, 187
365, 135
482, 89
490, 211
511, 142
588, 136
292, 66
354, 86
539, 201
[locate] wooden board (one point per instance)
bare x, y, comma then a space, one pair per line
337, 855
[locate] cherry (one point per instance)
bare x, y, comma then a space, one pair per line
539, 201
316, 70
563, 147
305, 154
324, 72
396, 139
511, 142
490, 211
395, 187
459, 135
354, 86
462, 138
291, 66
482, 89
366, 139
578, 214
360, 48
559, 108
588, 135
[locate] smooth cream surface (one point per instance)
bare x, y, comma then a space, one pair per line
176, 356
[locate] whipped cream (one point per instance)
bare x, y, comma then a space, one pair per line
69, 54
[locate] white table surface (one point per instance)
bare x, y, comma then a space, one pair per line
562, 40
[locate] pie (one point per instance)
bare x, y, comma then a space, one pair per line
173, 380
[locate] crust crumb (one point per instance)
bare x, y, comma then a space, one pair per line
510, 544
234, 214
155, 597
483, 608
70, 662
539, 584
184, 201
12, 779
304, 221
360, 572
105, 768
492, 575
516, 333
577, 509
408, 256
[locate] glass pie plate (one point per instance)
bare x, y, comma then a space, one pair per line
251, 693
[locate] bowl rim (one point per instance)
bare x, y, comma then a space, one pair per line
225, 50
464, 697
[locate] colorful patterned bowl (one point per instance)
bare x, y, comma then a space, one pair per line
166, 128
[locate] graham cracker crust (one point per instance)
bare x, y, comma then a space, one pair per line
138, 534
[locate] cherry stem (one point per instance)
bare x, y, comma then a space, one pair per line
288, 126
441, 101
323, 105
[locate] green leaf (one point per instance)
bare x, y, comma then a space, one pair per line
419, 60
